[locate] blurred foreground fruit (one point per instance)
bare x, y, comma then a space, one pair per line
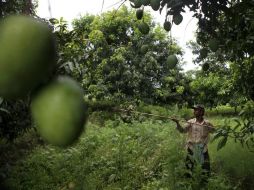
59, 111
27, 55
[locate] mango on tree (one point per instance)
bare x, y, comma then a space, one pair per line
167, 25
144, 48
143, 28
203, 53
139, 14
155, 4
145, 2
137, 3
213, 44
172, 61
177, 19
205, 67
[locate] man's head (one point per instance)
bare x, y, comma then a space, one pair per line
199, 110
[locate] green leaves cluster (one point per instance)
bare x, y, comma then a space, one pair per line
233, 30
14, 118
17, 7
211, 89
242, 129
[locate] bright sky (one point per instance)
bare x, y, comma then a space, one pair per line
74, 8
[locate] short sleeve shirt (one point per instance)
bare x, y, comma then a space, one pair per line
197, 133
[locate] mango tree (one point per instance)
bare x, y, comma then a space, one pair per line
115, 60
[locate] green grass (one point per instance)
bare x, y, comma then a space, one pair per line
146, 154
126, 156
233, 160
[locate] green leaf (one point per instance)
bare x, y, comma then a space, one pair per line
241, 112
222, 143
53, 21
238, 124
112, 177
4, 110
217, 135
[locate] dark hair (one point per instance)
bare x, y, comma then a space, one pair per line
201, 109
198, 106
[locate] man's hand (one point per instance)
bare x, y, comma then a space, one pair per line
178, 126
211, 128
175, 120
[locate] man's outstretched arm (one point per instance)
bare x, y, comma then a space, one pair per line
179, 127
211, 128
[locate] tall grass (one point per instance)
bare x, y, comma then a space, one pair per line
145, 154
233, 160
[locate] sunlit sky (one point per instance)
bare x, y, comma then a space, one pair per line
70, 9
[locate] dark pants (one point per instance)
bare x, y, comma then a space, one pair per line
190, 163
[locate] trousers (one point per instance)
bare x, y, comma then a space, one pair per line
190, 162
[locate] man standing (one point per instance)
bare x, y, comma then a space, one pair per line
198, 130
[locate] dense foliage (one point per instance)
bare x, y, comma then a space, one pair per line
8, 7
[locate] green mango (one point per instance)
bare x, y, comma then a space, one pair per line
177, 19
213, 45
155, 4
167, 25
172, 61
138, 3
27, 55
144, 28
144, 49
203, 53
205, 67
139, 14
59, 111
145, 2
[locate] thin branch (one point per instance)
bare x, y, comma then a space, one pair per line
118, 8
155, 115
115, 4
49, 9
102, 5
186, 27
